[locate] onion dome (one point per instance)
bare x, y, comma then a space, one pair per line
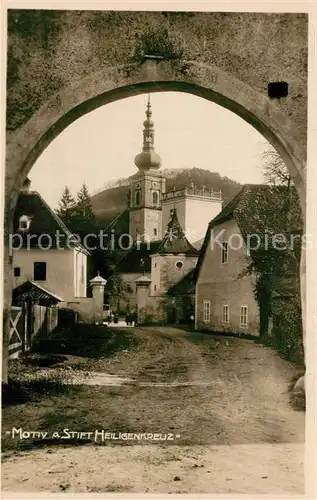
148, 159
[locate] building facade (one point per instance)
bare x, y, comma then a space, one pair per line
195, 208
224, 298
44, 250
256, 235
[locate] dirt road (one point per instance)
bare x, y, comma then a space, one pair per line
225, 399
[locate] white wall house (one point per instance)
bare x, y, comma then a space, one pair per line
44, 250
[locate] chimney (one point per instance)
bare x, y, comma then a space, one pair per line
26, 185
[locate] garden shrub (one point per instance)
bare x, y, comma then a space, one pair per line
286, 335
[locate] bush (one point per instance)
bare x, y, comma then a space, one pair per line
91, 341
286, 336
157, 41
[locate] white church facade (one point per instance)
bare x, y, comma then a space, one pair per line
167, 227
151, 206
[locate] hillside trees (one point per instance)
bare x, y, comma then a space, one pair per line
78, 216
66, 207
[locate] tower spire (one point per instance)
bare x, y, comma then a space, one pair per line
148, 131
148, 159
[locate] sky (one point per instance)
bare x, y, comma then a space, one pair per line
189, 132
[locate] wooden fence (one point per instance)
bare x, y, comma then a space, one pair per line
28, 322
17, 331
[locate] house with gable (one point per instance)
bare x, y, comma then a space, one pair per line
241, 232
45, 253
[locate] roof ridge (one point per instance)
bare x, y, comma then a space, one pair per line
174, 234
57, 219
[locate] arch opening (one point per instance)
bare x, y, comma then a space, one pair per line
274, 137
26, 145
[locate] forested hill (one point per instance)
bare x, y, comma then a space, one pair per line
110, 202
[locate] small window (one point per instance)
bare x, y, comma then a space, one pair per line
225, 314
244, 316
207, 311
129, 288
155, 265
224, 253
17, 272
154, 288
155, 231
39, 271
179, 265
155, 198
24, 223
138, 197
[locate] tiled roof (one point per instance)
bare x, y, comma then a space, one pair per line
118, 225
44, 221
185, 286
175, 241
137, 259
34, 291
255, 208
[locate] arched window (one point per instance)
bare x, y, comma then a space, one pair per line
155, 231
138, 197
155, 198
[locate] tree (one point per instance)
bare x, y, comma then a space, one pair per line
115, 289
271, 266
66, 207
274, 262
83, 205
274, 169
84, 217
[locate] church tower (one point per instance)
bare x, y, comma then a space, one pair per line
146, 188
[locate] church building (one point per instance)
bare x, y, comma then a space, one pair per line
167, 229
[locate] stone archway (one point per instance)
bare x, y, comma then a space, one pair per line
26, 144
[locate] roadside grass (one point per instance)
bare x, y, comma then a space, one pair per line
48, 372
90, 408
90, 341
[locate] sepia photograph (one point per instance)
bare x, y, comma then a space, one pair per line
155, 244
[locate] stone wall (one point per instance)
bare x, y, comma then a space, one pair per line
47, 50
84, 307
155, 311
168, 270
